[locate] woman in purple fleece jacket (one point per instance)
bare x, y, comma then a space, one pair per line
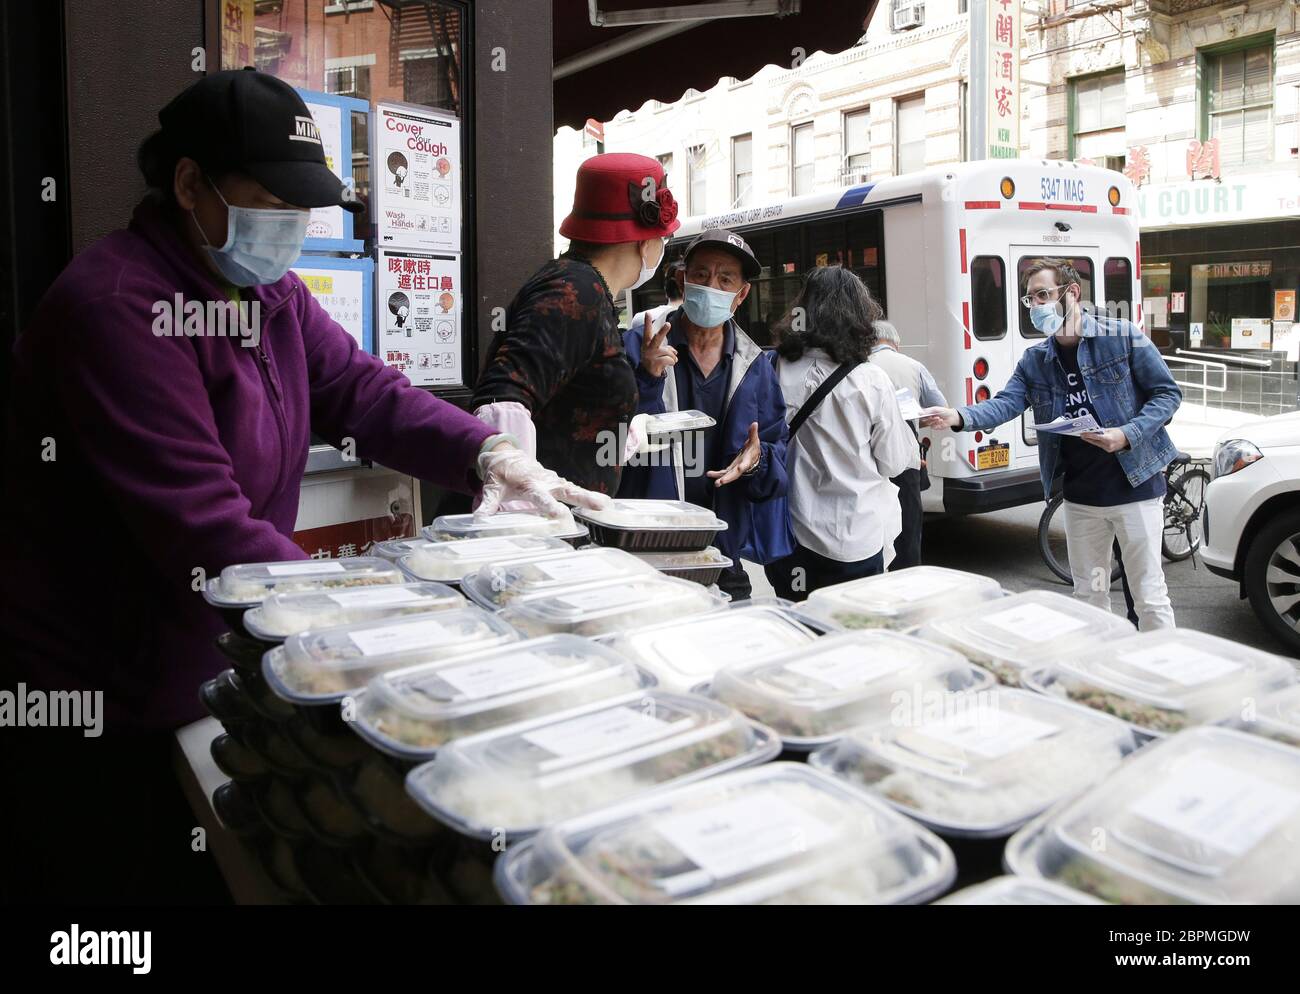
138, 457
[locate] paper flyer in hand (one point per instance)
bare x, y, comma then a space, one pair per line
908, 405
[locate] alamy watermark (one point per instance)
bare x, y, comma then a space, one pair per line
181, 318
23, 708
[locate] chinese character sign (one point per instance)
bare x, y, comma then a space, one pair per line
418, 311
1137, 165
1203, 159
1004, 79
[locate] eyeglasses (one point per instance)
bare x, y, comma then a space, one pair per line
1040, 296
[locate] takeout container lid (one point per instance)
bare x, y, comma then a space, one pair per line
598, 609
449, 561
453, 527
283, 615
248, 584
498, 584
900, 600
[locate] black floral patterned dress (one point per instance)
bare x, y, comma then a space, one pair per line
561, 356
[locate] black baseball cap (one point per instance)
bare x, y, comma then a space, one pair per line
729, 241
254, 123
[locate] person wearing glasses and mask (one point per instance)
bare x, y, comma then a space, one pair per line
1113, 477
739, 469
162, 404
556, 376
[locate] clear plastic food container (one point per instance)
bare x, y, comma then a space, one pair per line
704, 566
458, 527
448, 562
780, 833
518, 779
1275, 716
1023, 631
322, 666
682, 655
395, 549
605, 608
1018, 890
1165, 680
979, 765
652, 525
496, 585
412, 712
815, 693
282, 615
1207, 816
248, 584
901, 600
675, 421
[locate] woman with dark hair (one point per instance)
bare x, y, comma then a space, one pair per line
847, 437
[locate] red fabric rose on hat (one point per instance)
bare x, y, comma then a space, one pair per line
667, 205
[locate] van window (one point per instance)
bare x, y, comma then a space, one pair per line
1117, 286
988, 294
1082, 265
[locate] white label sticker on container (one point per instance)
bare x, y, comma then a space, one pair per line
604, 731
596, 600
1219, 806
299, 569
500, 675
1035, 623
376, 596
400, 638
735, 836
902, 588
699, 651
481, 547
988, 730
844, 667
1180, 664
583, 566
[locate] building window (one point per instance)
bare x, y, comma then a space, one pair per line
666, 161
1239, 104
695, 177
909, 134
801, 159
904, 15
857, 147
742, 170
1097, 110
349, 81
963, 137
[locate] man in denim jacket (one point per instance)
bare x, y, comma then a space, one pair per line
1113, 478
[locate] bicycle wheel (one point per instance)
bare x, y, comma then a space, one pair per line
1052, 545
1184, 499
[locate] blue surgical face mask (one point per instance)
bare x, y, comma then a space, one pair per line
1047, 318
261, 244
706, 307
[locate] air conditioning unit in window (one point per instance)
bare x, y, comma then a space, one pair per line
908, 16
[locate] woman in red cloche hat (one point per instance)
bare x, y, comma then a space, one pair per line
556, 376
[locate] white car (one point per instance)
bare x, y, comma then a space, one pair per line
1251, 520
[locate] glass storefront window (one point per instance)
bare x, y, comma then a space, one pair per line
1233, 303
1117, 288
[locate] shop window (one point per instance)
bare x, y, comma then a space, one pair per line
1117, 289
988, 294
742, 170
801, 159
1082, 265
1238, 104
909, 134
1156, 300
1097, 107
1232, 304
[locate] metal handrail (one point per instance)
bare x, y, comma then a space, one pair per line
1204, 367
1241, 360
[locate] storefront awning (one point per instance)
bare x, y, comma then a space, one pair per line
601, 70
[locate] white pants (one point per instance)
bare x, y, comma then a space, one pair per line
1090, 533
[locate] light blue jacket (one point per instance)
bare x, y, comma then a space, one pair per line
1130, 386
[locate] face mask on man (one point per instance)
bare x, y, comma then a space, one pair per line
260, 245
1047, 318
705, 306
648, 271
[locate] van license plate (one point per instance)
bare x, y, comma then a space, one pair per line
997, 456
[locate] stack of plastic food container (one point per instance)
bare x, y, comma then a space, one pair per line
675, 422
778, 834
1274, 716
652, 525
979, 765
1206, 816
448, 562
813, 694
684, 655
1165, 680
1018, 890
283, 615
496, 586
704, 566
1023, 631
459, 527
899, 601
605, 609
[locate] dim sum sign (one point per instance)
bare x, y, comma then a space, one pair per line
416, 178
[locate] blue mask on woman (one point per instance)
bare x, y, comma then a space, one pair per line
706, 307
261, 244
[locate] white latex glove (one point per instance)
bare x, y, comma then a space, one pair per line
637, 439
509, 474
